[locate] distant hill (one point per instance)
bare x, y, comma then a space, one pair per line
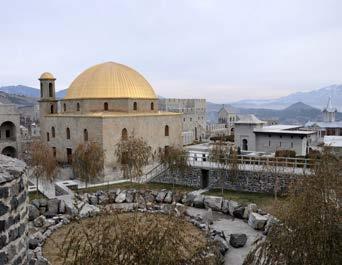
27, 91
19, 100
316, 98
298, 113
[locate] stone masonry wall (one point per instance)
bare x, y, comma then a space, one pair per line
251, 181
13, 212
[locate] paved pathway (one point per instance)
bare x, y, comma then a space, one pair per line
229, 225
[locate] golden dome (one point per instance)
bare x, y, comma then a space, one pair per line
110, 80
46, 76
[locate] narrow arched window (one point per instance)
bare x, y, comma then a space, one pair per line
105, 106
152, 106
124, 134
47, 137
50, 90
64, 107
167, 130
53, 133
51, 109
78, 106
85, 135
135, 106
67, 133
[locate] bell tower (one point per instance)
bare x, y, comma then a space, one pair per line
47, 102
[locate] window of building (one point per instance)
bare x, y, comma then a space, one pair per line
291, 145
69, 155
244, 145
47, 137
105, 106
269, 143
85, 135
50, 90
8, 133
269, 135
124, 134
167, 130
67, 133
54, 151
51, 109
184, 119
78, 106
280, 144
53, 132
135, 106
152, 106
41, 90
64, 107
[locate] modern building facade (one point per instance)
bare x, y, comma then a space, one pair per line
194, 116
9, 130
104, 104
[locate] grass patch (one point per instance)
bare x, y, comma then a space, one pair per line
33, 195
260, 199
137, 186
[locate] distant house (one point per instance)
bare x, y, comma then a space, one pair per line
253, 135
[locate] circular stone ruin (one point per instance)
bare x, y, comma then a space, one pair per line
13, 211
130, 238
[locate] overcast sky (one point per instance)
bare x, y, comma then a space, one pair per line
220, 50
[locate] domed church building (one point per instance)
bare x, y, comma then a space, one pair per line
104, 103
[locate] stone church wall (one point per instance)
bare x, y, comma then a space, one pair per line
13, 212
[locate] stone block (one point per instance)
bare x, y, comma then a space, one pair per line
168, 197
239, 212
213, 202
257, 221
161, 196
52, 206
225, 206
232, 206
121, 197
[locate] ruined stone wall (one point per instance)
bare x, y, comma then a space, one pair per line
251, 181
13, 211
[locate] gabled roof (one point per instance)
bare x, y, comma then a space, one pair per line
248, 119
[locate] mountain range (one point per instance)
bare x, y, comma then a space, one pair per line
317, 98
27, 91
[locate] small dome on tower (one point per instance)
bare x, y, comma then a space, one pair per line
47, 76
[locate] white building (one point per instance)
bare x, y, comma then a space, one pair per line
335, 143
252, 134
194, 116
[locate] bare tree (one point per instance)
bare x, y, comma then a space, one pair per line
219, 154
42, 161
175, 159
133, 154
87, 161
309, 230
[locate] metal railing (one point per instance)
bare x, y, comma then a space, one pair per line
154, 172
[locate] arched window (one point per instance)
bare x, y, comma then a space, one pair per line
244, 144
135, 106
51, 109
152, 106
105, 106
67, 133
85, 135
78, 106
53, 132
124, 134
47, 137
50, 90
167, 130
64, 107
41, 89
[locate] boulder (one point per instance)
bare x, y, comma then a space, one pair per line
237, 240
121, 197
271, 221
61, 207
52, 206
222, 244
239, 212
33, 212
257, 221
92, 199
39, 221
232, 206
177, 197
35, 203
33, 243
225, 206
189, 199
168, 197
149, 198
161, 196
213, 202
88, 210
198, 201
130, 196
102, 199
